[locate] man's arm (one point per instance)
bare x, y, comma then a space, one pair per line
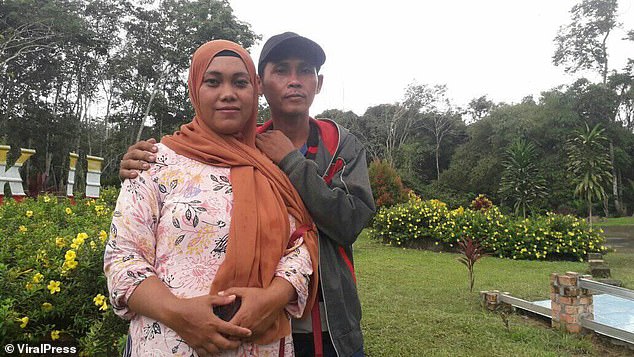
137, 158
343, 208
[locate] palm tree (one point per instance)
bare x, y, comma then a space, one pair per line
521, 181
589, 162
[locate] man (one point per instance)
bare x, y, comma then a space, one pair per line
327, 166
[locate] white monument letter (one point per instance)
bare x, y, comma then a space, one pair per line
71, 174
12, 175
93, 177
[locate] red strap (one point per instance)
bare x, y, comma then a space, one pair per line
319, 347
329, 134
299, 232
282, 347
332, 170
348, 263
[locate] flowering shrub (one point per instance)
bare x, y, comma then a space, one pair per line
387, 187
481, 203
52, 286
426, 223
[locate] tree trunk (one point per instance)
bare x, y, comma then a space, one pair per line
590, 213
438, 161
149, 104
615, 183
48, 158
604, 71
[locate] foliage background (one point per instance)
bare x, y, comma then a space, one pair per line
37, 236
92, 76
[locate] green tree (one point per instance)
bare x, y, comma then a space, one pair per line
589, 162
582, 44
441, 125
480, 107
521, 182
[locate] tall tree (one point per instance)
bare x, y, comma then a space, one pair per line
479, 107
440, 125
582, 44
589, 162
160, 42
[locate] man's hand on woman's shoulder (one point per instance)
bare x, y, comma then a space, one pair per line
138, 158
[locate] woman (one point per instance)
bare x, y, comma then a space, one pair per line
212, 212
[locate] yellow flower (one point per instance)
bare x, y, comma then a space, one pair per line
100, 210
29, 214
47, 199
24, 321
29, 286
68, 210
54, 286
37, 278
104, 306
93, 245
103, 236
70, 255
99, 299
54, 335
23, 229
69, 265
79, 240
47, 306
60, 242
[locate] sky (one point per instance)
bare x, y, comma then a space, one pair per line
375, 49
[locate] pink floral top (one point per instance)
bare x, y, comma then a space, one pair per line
172, 221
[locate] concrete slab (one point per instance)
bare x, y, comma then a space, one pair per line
609, 310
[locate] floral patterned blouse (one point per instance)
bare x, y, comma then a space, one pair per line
172, 222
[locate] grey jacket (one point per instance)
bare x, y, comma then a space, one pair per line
336, 190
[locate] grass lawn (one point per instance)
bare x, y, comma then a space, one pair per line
621, 221
417, 303
621, 268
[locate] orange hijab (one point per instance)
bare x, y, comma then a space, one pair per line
263, 197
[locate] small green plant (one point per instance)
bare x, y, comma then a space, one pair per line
505, 311
471, 252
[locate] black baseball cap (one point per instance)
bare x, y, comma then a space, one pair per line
289, 44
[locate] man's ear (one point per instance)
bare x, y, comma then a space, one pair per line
320, 82
258, 83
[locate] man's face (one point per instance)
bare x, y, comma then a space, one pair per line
290, 86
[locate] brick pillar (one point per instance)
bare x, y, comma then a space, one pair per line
490, 299
569, 303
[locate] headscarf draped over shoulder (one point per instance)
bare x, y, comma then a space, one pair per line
263, 196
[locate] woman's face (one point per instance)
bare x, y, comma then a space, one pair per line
226, 96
